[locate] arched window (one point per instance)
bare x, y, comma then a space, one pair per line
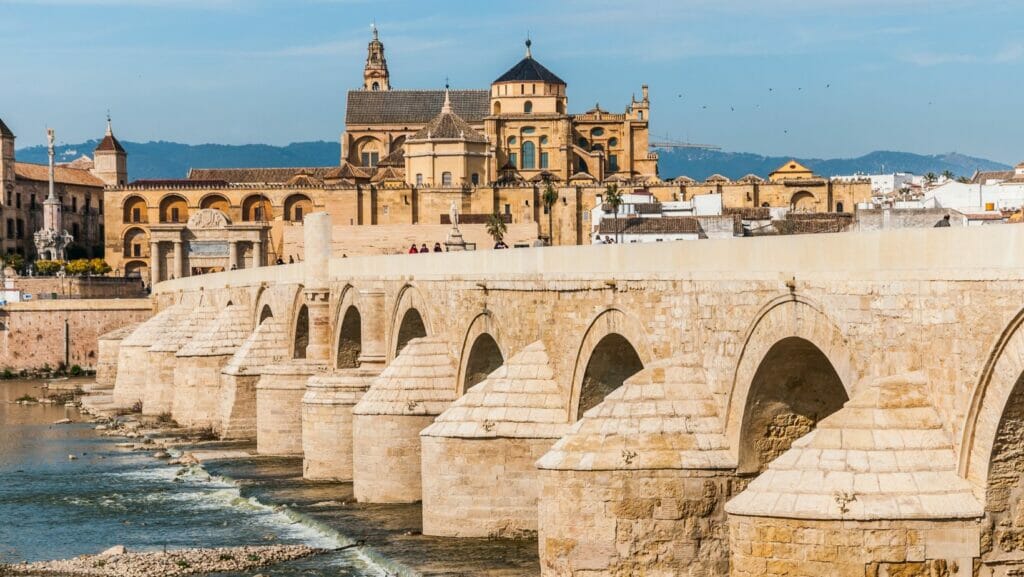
215, 201
528, 107
512, 141
839, 207
559, 107
256, 208
597, 132
135, 243
543, 140
296, 207
134, 209
497, 107
376, 85
613, 142
528, 130
583, 143
529, 155
173, 209
446, 179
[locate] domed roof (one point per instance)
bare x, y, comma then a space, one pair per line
529, 70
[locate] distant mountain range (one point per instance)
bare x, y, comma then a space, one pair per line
172, 160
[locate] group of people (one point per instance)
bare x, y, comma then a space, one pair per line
423, 248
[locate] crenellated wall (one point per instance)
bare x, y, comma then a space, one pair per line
673, 375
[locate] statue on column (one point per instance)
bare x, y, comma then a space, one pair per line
52, 240
454, 241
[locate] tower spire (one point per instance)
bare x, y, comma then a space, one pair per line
446, 108
529, 43
375, 73
110, 130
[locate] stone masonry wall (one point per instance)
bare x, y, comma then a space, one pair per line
33, 334
386, 453
764, 547
481, 487
279, 413
665, 523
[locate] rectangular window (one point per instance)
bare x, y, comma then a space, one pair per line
370, 159
546, 209
32, 201
18, 200
21, 228
136, 250
74, 203
513, 159
174, 214
419, 179
543, 160
386, 209
257, 213
136, 214
10, 228
298, 214
613, 163
446, 179
508, 209
475, 179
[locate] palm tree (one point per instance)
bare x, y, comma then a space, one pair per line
549, 198
496, 227
613, 197
930, 177
948, 174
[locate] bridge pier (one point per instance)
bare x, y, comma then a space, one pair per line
479, 477
263, 347
133, 360
873, 490
327, 422
639, 485
416, 387
200, 362
108, 348
279, 393
175, 374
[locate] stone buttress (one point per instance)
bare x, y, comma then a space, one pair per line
108, 347
639, 485
162, 396
263, 347
416, 387
872, 491
133, 366
327, 422
197, 378
479, 472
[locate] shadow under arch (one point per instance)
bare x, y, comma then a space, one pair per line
408, 320
614, 348
797, 363
348, 330
482, 352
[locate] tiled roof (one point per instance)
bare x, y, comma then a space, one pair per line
529, 70
177, 182
349, 171
223, 336
4, 131
110, 144
388, 173
664, 417
982, 177
581, 176
257, 175
751, 178
448, 125
419, 382
716, 178
661, 225
886, 448
396, 158
683, 179
520, 399
61, 174
412, 106
647, 207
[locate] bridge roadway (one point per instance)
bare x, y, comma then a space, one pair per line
846, 404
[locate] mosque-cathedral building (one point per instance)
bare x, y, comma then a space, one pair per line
406, 157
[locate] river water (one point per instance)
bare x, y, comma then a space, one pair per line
52, 507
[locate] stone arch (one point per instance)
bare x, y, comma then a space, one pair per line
215, 201
135, 206
802, 201
173, 208
348, 332
406, 325
265, 313
995, 396
257, 208
300, 334
789, 341
296, 207
617, 339
136, 268
482, 352
368, 146
134, 243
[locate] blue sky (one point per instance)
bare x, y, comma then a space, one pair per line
789, 77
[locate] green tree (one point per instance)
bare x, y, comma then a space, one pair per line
15, 261
98, 266
48, 267
930, 177
963, 180
77, 267
613, 198
496, 227
948, 174
550, 197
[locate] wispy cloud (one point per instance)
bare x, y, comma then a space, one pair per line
928, 58
1012, 52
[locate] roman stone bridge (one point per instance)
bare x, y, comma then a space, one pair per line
845, 404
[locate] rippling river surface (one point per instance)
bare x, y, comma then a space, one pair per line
52, 507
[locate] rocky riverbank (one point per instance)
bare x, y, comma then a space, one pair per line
116, 563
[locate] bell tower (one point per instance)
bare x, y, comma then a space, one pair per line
375, 73
6, 159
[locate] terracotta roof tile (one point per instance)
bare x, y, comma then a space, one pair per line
448, 125
257, 175
61, 174
412, 106
110, 144
661, 225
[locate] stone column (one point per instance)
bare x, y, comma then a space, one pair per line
233, 254
374, 345
257, 253
154, 262
317, 240
178, 259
